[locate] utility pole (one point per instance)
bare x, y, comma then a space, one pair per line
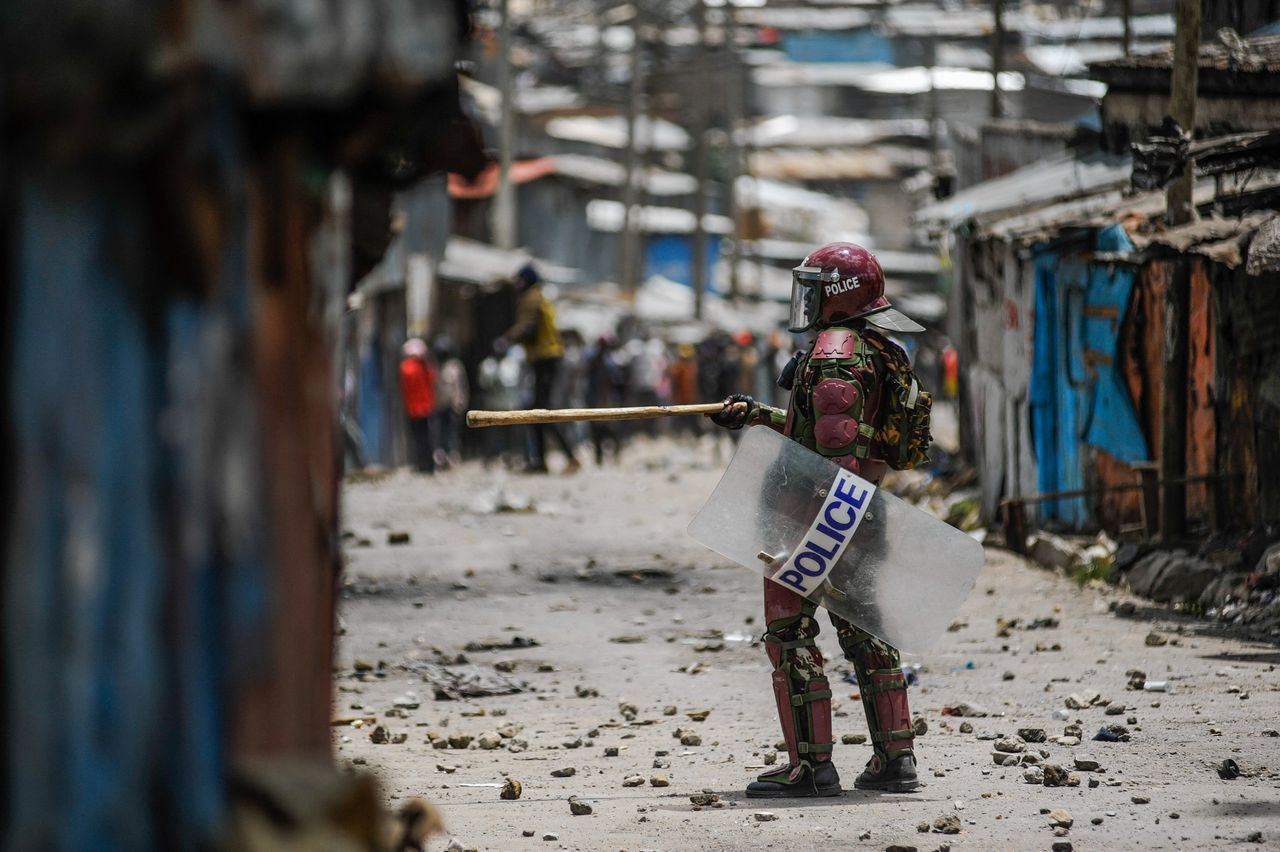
1126, 17
997, 57
1184, 81
733, 114
627, 263
698, 276
504, 208
1179, 210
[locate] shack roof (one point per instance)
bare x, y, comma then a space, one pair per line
826, 130
472, 262
606, 215
611, 132
602, 172
883, 162
1235, 66
1029, 188
1229, 240
879, 78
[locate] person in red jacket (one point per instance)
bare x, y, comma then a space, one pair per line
418, 388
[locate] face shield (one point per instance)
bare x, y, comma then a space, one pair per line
806, 288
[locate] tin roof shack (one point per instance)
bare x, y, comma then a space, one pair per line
1057, 311
1239, 90
179, 237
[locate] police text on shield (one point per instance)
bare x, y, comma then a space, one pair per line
829, 535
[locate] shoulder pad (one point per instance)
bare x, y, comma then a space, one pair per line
832, 344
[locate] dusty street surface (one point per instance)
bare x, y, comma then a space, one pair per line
625, 608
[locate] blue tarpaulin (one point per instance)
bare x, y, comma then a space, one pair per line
1112, 421
1077, 395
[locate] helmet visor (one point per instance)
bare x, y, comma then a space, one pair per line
805, 284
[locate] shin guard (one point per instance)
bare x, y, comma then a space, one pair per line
884, 692
800, 688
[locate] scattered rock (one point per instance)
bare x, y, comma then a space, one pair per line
704, 799
1138, 799
1054, 775
690, 740
1033, 775
566, 772
1081, 700
967, 728
670, 710
1010, 745
579, 808
528, 832
919, 726
1061, 846
765, 816
397, 537
659, 779
489, 740
1155, 640
699, 715
923, 826
947, 824
966, 709
1060, 817
550, 835
853, 739
446, 769
628, 639
633, 781
610, 751
1169, 575
511, 789
1086, 764
460, 740
1032, 735
1112, 734
1228, 769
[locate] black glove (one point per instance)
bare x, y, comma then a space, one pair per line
731, 418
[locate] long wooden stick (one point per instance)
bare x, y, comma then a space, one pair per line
476, 419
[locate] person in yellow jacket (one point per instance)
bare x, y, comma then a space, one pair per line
535, 329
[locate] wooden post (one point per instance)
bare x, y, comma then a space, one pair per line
997, 57
1126, 17
1179, 210
733, 114
1173, 401
504, 206
1149, 480
628, 273
698, 275
1183, 82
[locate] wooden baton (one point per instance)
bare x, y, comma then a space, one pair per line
476, 419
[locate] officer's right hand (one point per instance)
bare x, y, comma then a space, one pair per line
737, 408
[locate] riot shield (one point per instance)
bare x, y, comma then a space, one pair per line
804, 522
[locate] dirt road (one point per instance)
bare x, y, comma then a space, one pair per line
626, 609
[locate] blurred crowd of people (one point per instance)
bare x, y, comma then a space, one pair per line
535, 364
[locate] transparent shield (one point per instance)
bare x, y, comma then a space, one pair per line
902, 575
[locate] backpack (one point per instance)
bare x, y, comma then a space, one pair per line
903, 441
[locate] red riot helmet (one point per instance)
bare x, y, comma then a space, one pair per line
838, 282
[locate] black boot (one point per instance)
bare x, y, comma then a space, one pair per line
806, 781
897, 776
